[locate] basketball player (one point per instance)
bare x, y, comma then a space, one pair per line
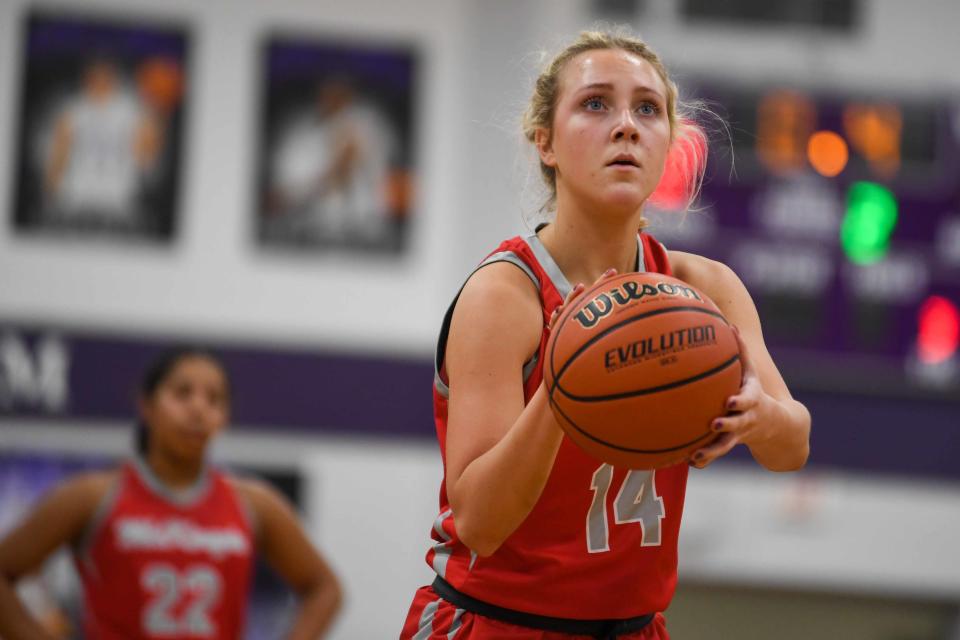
103, 142
334, 166
520, 550
164, 545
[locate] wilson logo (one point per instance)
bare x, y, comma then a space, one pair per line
603, 304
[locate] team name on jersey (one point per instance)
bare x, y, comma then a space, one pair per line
176, 534
603, 304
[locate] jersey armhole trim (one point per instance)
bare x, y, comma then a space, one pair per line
247, 511
97, 521
502, 256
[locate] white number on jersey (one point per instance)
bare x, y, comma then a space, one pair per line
637, 501
169, 588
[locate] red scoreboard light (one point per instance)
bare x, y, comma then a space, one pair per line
938, 330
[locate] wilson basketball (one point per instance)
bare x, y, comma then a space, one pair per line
638, 367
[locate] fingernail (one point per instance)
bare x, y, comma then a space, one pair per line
698, 456
609, 272
717, 425
731, 405
578, 287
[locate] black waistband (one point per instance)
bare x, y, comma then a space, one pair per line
595, 628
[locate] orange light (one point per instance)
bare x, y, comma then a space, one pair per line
939, 331
827, 152
875, 132
785, 120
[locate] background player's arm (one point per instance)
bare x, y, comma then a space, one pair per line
766, 418
59, 518
147, 141
286, 548
59, 153
498, 453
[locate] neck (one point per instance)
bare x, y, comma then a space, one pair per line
173, 472
585, 244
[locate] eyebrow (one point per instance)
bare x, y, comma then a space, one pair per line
609, 87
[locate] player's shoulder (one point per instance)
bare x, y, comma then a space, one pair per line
501, 281
258, 493
82, 493
716, 279
500, 296
702, 272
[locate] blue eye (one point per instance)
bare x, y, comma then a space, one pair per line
593, 104
649, 109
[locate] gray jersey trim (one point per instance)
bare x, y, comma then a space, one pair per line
246, 508
641, 263
501, 256
553, 269
442, 550
549, 265
512, 258
96, 523
184, 498
425, 625
455, 625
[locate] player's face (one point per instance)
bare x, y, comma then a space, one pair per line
100, 80
611, 130
188, 407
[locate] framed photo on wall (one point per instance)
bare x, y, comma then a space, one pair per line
336, 161
101, 120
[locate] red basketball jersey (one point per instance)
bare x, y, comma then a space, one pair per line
601, 541
155, 564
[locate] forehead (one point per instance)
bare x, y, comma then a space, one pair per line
617, 67
197, 368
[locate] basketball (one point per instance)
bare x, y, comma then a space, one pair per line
638, 367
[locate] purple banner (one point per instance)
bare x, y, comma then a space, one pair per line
75, 376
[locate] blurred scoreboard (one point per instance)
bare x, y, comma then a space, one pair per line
841, 213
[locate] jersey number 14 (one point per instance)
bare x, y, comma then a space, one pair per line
636, 501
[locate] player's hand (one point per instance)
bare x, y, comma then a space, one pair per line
747, 410
575, 293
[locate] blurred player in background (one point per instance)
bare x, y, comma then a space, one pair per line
104, 141
535, 538
164, 545
332, 168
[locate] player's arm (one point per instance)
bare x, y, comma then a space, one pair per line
59, 152
59, 518
499, 453
286, 548
147, 141
765, 417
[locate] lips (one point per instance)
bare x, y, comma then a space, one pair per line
624, 160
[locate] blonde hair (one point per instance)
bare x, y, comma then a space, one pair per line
542, 107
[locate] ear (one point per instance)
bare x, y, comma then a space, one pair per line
544, 141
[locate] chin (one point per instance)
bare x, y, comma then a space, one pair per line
627, 203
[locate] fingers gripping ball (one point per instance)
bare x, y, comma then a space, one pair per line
638, 367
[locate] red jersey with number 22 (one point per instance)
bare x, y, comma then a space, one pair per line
601, 541
157, 564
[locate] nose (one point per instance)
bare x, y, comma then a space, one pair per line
625, 127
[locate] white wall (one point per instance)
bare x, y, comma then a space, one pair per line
214, 281
477, 183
